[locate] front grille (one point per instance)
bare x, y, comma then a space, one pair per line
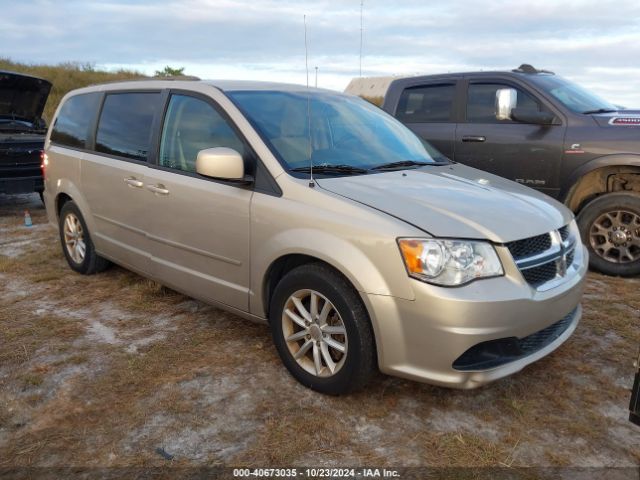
544, 257
570, 257
564, 232
536, 276
544, 337
494, 353
529, 246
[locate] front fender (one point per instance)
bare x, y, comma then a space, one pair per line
620, 160
373, 268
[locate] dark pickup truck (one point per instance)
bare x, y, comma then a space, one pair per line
543, 131
22, 131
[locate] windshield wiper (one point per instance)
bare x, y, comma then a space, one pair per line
599, 110
346, 169
403, 164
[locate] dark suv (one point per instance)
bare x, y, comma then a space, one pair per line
22, 131
545, 132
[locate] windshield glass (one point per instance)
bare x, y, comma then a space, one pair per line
345, 131
573, 96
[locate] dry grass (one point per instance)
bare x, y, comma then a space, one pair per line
102, 370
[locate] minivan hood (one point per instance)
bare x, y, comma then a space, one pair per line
22, 96
455, 201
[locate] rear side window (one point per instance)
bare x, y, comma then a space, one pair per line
125, 124
430, 103
481, 102
72, 125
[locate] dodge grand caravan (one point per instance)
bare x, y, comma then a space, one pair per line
321, 215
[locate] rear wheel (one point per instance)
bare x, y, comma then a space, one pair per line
322, 331
610, 228
76, 242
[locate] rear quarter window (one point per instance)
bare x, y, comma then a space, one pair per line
125, 124
72, 125
428, 103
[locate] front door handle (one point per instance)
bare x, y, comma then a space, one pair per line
158, 189
133, 182
473, 138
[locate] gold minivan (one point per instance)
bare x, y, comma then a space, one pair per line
360, 245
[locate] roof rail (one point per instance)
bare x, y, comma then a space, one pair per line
526, 68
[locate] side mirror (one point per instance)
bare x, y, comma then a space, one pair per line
220, 162
506, 100
525, 115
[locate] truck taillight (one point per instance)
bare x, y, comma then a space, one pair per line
44, 160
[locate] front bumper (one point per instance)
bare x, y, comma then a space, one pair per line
421, 339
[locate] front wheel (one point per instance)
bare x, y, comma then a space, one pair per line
322, 331
610, 228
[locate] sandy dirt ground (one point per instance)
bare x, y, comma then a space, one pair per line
115, 370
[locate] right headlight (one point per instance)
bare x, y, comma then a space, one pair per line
449, 262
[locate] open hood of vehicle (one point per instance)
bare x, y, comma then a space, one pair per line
22, 96
455, 201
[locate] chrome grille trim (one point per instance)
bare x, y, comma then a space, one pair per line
549, 268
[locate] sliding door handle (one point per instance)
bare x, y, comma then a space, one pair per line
474, 138
158, 189
133, 182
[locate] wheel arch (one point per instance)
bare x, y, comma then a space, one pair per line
609, 173
370, 267
286, 263
67, 191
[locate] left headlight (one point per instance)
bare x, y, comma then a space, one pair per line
449, 262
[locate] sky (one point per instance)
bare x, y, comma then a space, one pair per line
595, 43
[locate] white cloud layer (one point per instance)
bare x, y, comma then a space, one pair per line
596, 43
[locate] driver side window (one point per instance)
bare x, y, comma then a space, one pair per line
481, 102
192, 125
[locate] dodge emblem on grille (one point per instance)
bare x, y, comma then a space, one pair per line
561, 263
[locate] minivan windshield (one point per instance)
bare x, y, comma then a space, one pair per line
339, 134
573, 96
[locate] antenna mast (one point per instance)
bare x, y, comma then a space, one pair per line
306, 65
361, 28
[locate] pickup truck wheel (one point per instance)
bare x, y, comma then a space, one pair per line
322, 331
76, 242
610, 228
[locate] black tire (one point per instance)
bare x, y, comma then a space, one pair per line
92, 262
360, 362
590, 216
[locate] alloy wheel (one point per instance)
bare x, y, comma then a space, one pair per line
314, 333
74, 238
615, 236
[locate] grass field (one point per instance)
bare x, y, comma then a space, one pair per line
106, 369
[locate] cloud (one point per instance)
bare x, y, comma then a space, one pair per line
590, 41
